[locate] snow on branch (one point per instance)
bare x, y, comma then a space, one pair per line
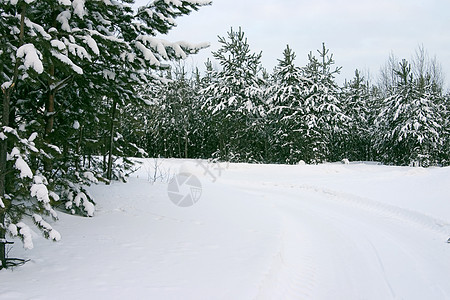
58, 45
110, 37
180, 49
90, 177
199, 2
47, 229
178, 3
20, 163
31, 56
91, 44
148, 54
67, 61
76, 50
78, 8
23, 167
64, 18
65, 2
24, 232
78, 200
38, 28
39, 190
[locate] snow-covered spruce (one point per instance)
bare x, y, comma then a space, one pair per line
78, 201
78, 58
411, 120
286, 111
236, 98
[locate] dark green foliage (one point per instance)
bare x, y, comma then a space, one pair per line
69, 76
287, 108
235, 99
242, 113
359, 106
411, 120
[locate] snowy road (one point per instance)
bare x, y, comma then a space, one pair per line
354, 249
258, 232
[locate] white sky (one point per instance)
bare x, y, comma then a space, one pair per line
360, 33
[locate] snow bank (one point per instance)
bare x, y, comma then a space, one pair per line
343, 231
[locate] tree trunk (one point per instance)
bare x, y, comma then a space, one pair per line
180, 155
3, 156
50, 108
111, 140
4, 143
186, 139
78, 150
50, 115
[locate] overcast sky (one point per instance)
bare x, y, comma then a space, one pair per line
360, 33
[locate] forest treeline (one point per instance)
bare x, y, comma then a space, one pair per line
240, 112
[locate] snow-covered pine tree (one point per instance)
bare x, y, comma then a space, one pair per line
175, 114
287, 111
323, 109
358, 105
61, 58
93, 51
236, 100
444, 157
411, 120
22, 190
207, 139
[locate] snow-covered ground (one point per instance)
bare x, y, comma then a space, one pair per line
330, 231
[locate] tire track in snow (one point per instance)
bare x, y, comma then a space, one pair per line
314, 256
291, 270
408, 216
292, 273
380, 262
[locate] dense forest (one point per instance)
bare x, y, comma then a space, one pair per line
87, 85
240, 112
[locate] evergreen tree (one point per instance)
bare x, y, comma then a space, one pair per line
236, 100
61, 59
359, 107
176, 123
445, 132
323, 109
20, 62
207, 138
287, 111
411, 120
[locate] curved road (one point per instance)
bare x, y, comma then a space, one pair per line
341, 246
